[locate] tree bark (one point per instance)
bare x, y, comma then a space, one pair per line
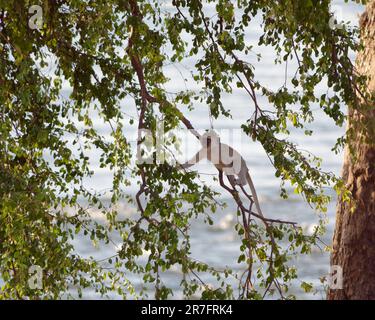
354, 237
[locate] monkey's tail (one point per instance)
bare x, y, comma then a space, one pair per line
254, 193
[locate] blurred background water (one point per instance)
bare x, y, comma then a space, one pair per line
218, 245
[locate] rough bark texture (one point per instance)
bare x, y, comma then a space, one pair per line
354, 238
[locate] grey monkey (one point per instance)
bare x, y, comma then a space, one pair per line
227, 160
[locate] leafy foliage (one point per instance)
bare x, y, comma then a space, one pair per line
107, 52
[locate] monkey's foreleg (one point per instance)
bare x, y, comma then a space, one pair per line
250, 197
184, 166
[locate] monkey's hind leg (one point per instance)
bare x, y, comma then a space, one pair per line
232, 181
241, 184
245, 192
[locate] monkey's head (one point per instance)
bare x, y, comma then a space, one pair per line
209, 138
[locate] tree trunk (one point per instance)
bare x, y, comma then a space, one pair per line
354, 238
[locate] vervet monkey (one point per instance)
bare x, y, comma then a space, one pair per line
225, 159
